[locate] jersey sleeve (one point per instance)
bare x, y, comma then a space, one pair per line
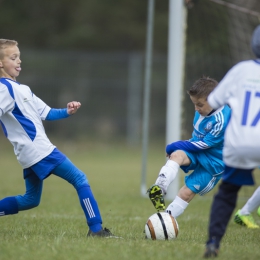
55, 114
213, 138
182, 145
6, 100
43, 109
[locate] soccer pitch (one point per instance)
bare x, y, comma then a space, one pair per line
56, 229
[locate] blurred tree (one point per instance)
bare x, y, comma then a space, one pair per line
83, 24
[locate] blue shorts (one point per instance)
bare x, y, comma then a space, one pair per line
238, 176
44, 167
200, 181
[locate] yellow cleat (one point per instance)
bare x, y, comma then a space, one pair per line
258, 211
156, 197
245, 220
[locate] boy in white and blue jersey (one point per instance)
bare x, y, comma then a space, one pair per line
202, 154
240, 88
21, 115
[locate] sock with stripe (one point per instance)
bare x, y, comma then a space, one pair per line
90, 208
8, 206
167, 174
177, 207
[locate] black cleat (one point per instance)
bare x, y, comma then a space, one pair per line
156, 196
211, 251
102, 233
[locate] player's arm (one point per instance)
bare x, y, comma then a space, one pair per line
211, 139
187, 146
56, 114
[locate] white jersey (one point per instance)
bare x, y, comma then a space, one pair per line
240, 89
21, 115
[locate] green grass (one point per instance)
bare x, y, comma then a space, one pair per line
56, 230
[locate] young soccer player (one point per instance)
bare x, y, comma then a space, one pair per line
21, 115
202, 154
243, 216
240, 88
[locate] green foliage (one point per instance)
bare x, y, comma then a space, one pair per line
57, 230
80, 24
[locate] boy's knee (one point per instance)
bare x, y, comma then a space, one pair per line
27, 202
80, 179
180, 157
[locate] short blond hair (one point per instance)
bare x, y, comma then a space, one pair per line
4, 43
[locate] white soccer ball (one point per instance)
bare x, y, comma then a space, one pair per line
161, 226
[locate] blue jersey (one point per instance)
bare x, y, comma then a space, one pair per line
207, 140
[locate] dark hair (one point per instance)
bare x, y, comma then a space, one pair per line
202, 87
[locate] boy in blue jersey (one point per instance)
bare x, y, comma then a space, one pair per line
202, 154
21, 115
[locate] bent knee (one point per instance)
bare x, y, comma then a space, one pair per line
27, 202
180, 157
79, 179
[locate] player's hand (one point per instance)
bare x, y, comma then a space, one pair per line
72, 107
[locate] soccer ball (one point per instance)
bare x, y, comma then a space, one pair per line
161, 226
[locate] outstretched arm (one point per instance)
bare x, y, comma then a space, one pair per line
55, 114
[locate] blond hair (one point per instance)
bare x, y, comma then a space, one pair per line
4, 43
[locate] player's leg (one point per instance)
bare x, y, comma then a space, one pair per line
166, 175
222, 207
252, 203
31, 198
181, 202
69, 172
198, 182
243, 217
33, 193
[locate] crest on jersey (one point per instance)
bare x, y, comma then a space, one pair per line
208, 127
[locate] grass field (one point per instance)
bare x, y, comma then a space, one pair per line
56, 230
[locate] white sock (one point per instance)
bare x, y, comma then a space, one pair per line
252, 203
167, 174
177, 207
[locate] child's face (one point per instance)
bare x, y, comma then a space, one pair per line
201, 105
10, 64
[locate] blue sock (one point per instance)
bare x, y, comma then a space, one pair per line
90, 208
8, 206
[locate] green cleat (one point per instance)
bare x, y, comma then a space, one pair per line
245, 220
258, 211
156, 197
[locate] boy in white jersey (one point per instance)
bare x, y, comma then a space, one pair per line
202, 154
240, 88
21, 115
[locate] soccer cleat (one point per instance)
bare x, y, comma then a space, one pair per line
102, 233
245, 220
156, 197
258, 211
211, 251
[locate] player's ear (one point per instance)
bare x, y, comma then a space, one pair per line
1, 64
